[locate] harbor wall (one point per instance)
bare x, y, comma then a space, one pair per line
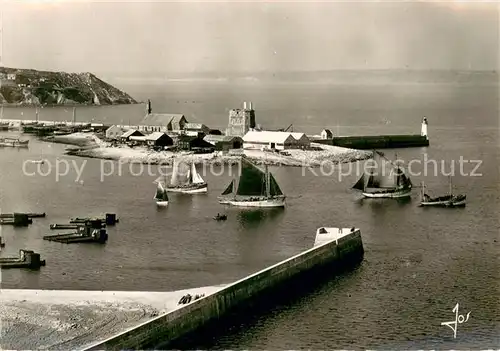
165, 331
377, 141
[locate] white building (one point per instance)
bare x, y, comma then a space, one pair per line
326, 134
275, 140
114, 132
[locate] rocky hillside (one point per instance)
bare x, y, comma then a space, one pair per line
29, 87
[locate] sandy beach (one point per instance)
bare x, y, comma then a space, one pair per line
64, 319
92, 147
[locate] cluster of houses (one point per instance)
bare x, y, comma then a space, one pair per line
162, 131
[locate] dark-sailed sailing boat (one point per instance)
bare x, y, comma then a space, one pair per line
449, 200
161, 196
385, 180
255, 188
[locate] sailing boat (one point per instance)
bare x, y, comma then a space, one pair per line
449, 200
255, 188
161, 196
186, 180
387, 181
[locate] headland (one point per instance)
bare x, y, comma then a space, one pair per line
28, 87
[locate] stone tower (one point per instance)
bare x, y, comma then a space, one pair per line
241, 120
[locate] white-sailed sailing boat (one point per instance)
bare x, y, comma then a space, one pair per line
255, 188
161, 196
185, 179
385, 180
449, 200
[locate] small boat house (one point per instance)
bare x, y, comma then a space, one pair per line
114, 132
275, 140
131, 133
158, 139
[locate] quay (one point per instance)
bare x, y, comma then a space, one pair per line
370, 142
335, 250
27, 259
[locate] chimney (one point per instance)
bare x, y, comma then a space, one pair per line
149, 107
244, 105
250, 105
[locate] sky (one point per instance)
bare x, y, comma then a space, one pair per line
137, 38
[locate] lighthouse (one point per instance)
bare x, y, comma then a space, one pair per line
424, 128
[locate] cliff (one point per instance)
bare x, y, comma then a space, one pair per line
30, 87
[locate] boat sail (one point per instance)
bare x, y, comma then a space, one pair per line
385, 180
449, 200
185, 179
255, 188
161, 196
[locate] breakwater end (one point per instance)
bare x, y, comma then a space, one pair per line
342, 250
368, 142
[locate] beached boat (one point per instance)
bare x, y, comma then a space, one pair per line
449, 200
161, 196
186, 179
384, 180
255, 188
13, 142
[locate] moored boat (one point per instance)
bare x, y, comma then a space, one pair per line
385, 180
255, 188
13, 142
449, 200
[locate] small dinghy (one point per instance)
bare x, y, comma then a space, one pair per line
220, 217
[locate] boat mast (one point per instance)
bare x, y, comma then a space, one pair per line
268, 186
451, 188
422, 192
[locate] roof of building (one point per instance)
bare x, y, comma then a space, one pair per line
327, 130
155, 136
129, 133
161, 119
195, 126
267, 137
114, 127
299, 136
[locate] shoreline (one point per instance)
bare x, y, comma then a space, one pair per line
90, 146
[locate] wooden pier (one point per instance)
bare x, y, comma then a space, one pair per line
92, 231
29, 214
27, 259
109, 219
